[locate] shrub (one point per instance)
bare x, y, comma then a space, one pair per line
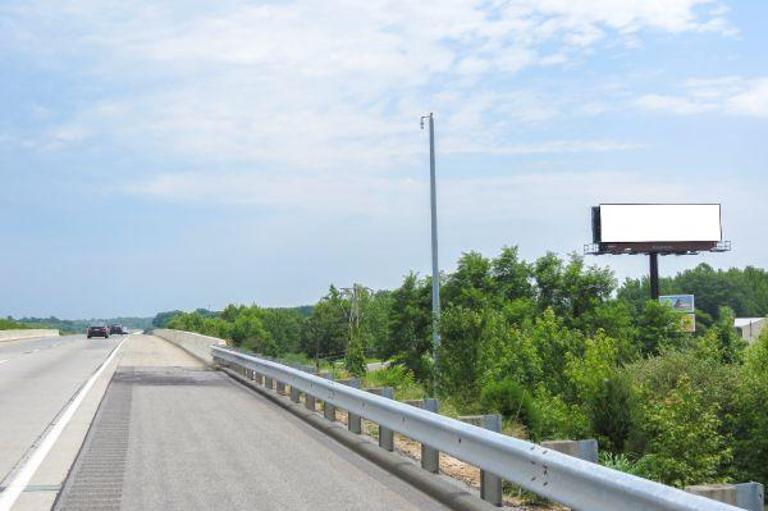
684, 442
558, 419
398, 377
513, 401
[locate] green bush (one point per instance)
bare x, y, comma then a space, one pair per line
620, 462
684, 444
513, 401
612, 411
558, 419
398, 377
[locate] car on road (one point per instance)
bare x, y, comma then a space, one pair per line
98, 331
117, 330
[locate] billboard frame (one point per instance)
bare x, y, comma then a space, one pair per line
600, 247
652, 248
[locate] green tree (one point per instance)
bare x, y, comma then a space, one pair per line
162, 319
471, 285
410, 326
284, 326
325, 332
462, 330
604, 390
751, 437
658, 328
511, 276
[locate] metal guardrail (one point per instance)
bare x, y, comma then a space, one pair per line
576, 483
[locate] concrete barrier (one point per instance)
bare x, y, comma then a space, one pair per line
748, 496
583, 449
16, 335
197, 345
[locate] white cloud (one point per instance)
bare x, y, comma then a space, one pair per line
394, 197
674, 104
315, 83
752, 101
730, 95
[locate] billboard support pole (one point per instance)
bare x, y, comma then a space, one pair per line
654, 264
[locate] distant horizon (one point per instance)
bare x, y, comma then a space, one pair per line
620, 282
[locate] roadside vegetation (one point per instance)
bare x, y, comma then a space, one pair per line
11, 324
559, 348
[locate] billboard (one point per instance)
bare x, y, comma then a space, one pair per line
670, 228
681, 303
688, 323
685, 305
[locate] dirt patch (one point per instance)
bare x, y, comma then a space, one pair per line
452, 467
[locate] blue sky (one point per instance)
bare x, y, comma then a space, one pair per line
160, 155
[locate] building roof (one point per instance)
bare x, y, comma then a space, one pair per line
742, 322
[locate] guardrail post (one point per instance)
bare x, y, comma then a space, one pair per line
295, 394
490, 484
744, 495
430, 457
386, 435
309, 402
268, 382
354, 421
280, 388
329, 411
582, 449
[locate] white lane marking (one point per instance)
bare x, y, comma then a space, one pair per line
12, 491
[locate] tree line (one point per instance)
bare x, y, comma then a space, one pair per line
561, 350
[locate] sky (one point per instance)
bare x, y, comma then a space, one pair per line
182, 154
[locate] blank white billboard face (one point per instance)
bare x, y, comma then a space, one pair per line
637, 223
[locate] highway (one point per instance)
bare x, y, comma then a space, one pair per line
37, 379
170, 434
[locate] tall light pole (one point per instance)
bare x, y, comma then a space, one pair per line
433, 204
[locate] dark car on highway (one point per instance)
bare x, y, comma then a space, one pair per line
98, 331
117, 330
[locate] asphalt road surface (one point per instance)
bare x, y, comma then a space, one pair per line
171, 435
38, 377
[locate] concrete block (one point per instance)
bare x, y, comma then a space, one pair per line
750, 496
351, 382
582, 449
386, 436
490, 484
744, 495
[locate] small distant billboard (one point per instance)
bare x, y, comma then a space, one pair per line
688, 323
681, 303
662, 228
